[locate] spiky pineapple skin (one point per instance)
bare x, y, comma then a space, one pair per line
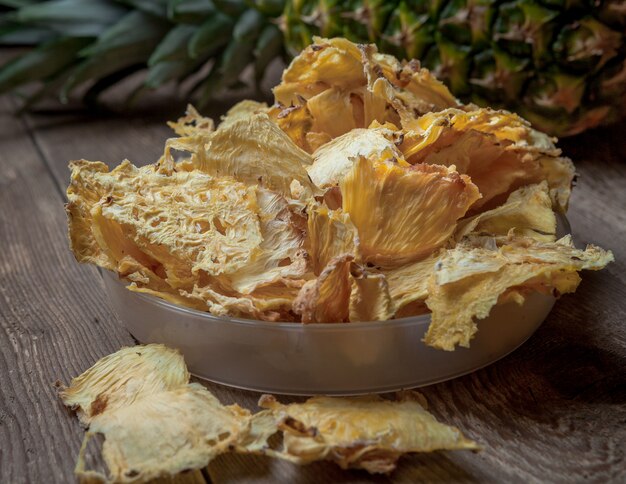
559, 63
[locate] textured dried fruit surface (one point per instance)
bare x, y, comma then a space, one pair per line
366, 192
498, 150
403, 212
154, 422
210, 241
157, 424
470, 279
361, 432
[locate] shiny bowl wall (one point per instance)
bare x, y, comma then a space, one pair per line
339, 359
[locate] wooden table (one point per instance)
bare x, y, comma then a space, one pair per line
554, 410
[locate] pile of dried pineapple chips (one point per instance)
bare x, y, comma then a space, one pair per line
155, 423
367, 192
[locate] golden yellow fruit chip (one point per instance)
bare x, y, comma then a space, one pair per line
403, 213
83, 193
335, 62
334, 160
497, 149
117, 380
346, 86
369, 297
327, 298
408, 285
331, 234
468, 281
527, 211
254, 150
188, 237
409, 88
154, 422
361, 432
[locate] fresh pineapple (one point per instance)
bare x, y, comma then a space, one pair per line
559, 63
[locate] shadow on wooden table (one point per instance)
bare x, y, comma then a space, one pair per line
431, 467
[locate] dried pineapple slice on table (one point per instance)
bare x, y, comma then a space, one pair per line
361, 432
361, 194
157, 424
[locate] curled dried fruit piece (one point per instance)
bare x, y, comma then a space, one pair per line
497, 149
403, 213
334, 160
117, 380
254, 150
154, 422
360, 432
408, 285
331, 234
369, 297
468, 281
344, 86
527, 211
327, 298
205, 242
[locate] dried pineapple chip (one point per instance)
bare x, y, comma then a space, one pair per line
335, 62
346, 86
403, 213
331, 234
187, 237
281, 255
468, 281
369, 297
83, 193
254, 150
187, 222
408, 285
117, 380
334, 160
497, 149
527, 211
154, 422
361, 432
409, 88
241, 111
327, 298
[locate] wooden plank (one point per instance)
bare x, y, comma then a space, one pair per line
46, 335
553, 410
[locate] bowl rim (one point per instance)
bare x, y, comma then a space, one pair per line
357, 325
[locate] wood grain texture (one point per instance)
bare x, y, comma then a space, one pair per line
554, 410
45, 335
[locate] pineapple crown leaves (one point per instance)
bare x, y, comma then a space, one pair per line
560, 63
98, 43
